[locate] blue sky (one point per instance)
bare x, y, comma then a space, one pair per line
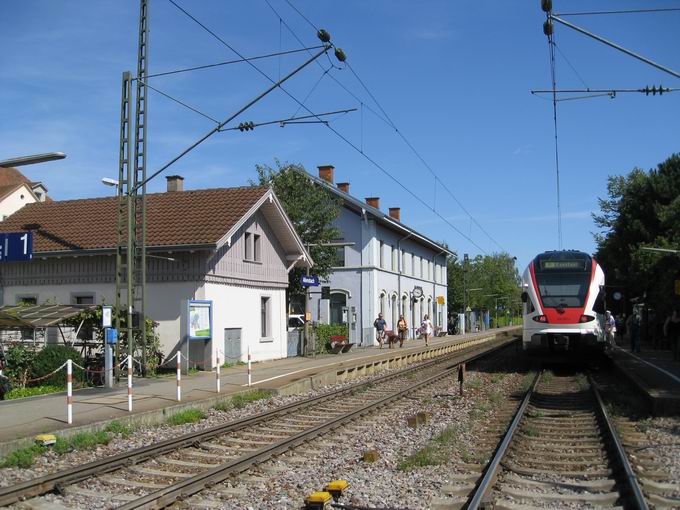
454, 76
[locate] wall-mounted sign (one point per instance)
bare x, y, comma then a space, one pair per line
441, 300
309, 281
107, 316
617, 296
16, 246
417, 292
200, 319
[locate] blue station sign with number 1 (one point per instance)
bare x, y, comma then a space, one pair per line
16, 246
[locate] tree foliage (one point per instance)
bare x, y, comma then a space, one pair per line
311, 209
642, 209
495, 276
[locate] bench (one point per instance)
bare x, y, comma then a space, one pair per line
339, 344
439, 331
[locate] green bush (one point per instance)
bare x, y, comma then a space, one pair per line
324, 332
186, 416
22, 457
51, 358
32, 391
19, 362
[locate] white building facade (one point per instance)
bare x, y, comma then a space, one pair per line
383, 267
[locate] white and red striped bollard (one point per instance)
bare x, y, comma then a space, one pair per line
69, 391
250, 380
217, 373
129, 381
178, 356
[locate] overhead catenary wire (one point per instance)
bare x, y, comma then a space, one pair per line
328, 126
388, 120
236, 61
553, 79
182, 103
621, 11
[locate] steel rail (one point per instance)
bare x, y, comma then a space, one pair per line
492, 469
54, 481
190, 486
620, 453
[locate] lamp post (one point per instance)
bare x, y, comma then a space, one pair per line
33, 159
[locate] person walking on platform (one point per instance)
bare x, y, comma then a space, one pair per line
671, 330
609, 327
379, 324
426, 328
402, 329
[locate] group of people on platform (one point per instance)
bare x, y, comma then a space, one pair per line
621, 328
426, 330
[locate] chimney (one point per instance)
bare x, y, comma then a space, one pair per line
175, 183
326, 173
395, 213
344, 187
373, 202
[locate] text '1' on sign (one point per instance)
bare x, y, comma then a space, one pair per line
309, 281
16, 246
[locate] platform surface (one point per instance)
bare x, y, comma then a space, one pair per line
655, 373
47, 413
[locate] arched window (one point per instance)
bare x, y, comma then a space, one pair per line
382, 304
395, 312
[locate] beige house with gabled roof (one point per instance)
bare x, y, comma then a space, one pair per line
231, 247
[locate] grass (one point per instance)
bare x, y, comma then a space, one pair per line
548, 376
81, 441
475, 384
496, 378
241, 400
582, 381
23, 457
228, 364
186, 416
496, 398
531, 431
527, 381
116, 427
448, 436
427, 456
32, 391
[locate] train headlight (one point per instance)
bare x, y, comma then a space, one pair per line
586, 318
540, 318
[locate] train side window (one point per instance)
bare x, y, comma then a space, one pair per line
599, 305
530, 306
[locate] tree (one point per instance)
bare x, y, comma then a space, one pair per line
311, 209
495, 275
642, 210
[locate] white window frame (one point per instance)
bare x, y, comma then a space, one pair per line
266, 336
381, 254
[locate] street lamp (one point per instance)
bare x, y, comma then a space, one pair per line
30, 160
110, 182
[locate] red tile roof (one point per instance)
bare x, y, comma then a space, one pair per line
198, 217
10, 175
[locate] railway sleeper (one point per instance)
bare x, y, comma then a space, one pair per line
607, 498
601, 485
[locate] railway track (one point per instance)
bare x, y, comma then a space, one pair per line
158, 475
561, 449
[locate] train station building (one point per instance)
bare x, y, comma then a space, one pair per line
221, 256
384, 266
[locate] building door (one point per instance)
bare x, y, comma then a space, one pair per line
232, 345
338, 302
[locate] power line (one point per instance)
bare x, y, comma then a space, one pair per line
626, 11
387, 119
237, 61
290, 120
551, 48
185, 105
335, 131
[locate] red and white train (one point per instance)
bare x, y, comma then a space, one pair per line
564, 302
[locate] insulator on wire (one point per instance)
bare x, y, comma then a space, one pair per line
546, 5
324, 36
548, 28
340, 55
246, 126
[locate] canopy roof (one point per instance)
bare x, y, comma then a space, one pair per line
38, 316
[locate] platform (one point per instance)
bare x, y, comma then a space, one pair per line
155, 398
655, 374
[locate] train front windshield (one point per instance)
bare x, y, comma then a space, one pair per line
563, 283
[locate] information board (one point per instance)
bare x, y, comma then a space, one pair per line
16, 246
200, 319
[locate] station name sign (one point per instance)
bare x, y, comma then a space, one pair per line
16, 246
309, 281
